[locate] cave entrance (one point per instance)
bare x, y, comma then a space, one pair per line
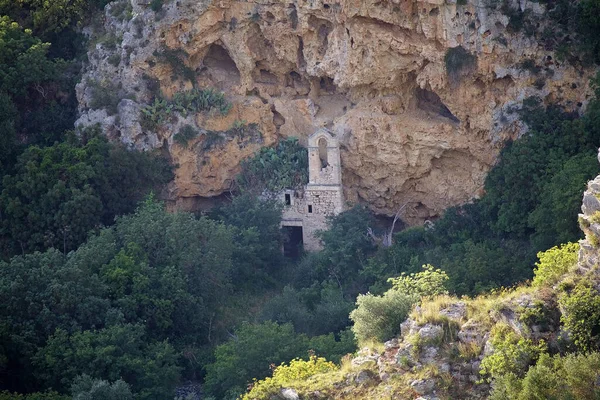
293, 243
430, 102
220, 66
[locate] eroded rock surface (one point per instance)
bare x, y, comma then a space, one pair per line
373, 72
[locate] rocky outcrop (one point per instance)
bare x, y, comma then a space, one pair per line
373, 72
589, 221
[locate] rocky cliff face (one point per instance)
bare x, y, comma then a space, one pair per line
373, 72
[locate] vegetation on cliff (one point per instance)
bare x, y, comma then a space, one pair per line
105, 300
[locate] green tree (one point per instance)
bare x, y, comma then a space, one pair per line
251, 353
86, 388
255, 349
119, 351
581, 316
257, 255
554, 263
41, 293
59, 193
347, 247
560, 377
554, 219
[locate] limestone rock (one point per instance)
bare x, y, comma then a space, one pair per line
431, 333
372, 72
423, 386
289, 394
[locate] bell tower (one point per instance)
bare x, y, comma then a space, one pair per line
322, 197
324, 159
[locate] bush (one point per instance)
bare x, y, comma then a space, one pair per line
554, 263
430, 282
512, 353
191, 101
285, 375
104, 95
185, 134
459, 62
274, 169
176, 58
581, 316
314, 311
86, 388
560, 378
250, 355
347, 247
113, 352
379, 317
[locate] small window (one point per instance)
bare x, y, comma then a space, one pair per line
310, 209
288, 199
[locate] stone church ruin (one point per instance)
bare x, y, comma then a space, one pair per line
306, 210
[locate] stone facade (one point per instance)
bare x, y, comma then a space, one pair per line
322, 196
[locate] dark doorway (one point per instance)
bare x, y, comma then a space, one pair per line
292, 244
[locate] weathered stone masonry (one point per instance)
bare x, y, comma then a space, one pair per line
322, 196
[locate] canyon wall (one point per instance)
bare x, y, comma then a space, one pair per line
414, 127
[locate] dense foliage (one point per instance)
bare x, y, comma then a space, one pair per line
573, 376
284, 375
129, 311
255, 349
58, 194
152, 277
275, 169
379, 317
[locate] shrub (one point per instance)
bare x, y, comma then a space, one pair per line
274, 169
156, 114
285, 375
105, 94
379, 317
176, 58
561, 378
430, 282
581, 316
192, 101
512, 353
156, 5
86, 388
185, 134
252, 353
459, 61
554, 263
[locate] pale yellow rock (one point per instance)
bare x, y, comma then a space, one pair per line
371, 71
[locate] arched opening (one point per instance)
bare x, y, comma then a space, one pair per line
323, 152
221, 67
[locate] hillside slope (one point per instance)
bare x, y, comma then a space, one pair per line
460, 348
